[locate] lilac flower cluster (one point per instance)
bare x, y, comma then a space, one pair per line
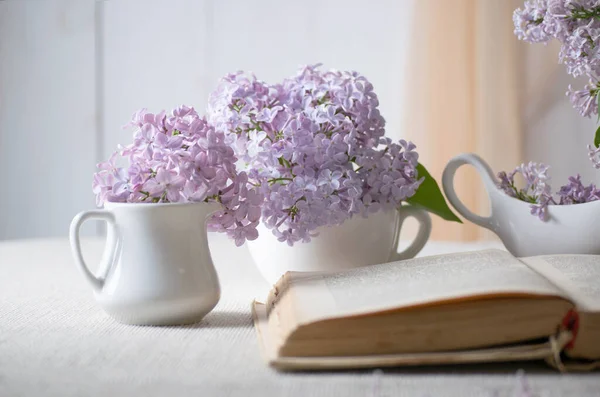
177, 158
304, 153
594, 155
576, 24
538, 192
314, 147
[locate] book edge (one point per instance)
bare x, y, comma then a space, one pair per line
526, 352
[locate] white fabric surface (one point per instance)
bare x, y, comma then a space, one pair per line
55, 341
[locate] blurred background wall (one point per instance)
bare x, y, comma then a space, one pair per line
73, 71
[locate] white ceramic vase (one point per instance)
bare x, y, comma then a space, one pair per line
156, 268
357, 242
570, 229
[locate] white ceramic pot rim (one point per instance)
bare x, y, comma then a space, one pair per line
551, 207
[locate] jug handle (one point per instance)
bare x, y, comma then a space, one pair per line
420, 240
96, 282
487, 175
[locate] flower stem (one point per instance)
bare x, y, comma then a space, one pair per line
273, 180
581, 13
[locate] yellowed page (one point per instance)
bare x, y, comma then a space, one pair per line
577, 275
413, 282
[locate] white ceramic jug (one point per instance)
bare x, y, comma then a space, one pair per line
570, 229
156, 268
357, 242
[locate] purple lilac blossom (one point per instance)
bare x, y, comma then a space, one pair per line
576, 25
181, 158
314, 146
506, 183
529, 22
573, 22
584, 101
575, 192
538, 192
594, 155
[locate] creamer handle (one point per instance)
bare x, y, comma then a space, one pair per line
97, 283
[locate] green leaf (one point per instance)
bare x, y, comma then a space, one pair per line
429, 197
597, 138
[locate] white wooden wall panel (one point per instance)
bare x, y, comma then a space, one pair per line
154, 57
373, 38
47, 115
268, 37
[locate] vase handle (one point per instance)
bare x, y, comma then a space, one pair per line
96, 282
487, 175
422, 235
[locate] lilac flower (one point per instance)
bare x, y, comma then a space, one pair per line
111, 183
305, 153
529, 22
594, 155
540, 208
585, 100
575, 192
331, 180
536, 177
166, 185
537, 189
576, 25
507, 183
314, 147
192, 192
537, 182
573, 22
268, 114
177, 158
538, 192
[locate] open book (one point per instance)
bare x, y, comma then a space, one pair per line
457, 308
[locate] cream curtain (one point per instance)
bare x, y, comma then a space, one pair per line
464, 86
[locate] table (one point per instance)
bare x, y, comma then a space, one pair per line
55, 341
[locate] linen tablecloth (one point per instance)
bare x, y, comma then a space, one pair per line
55, 341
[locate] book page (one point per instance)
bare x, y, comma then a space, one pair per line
577, 275
413, 282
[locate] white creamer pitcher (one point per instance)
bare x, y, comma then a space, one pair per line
156, 268
570, 229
